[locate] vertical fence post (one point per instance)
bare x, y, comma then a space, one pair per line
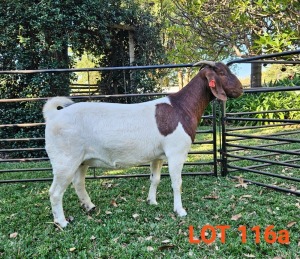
214, 124
224, 171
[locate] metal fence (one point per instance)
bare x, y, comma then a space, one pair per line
202, 159
263, 147
243, 145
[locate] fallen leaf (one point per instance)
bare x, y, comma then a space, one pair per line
166, 241
148, 238
113, 203
135, 215
13, 235
92, 238
108, 212
249, 255
211, 197
246, 196
72, 249
215, 217
290, 224
150, 248
298, 205
236, 217
243, 185
293, 188
116, 239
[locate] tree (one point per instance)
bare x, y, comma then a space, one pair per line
216, 29
37, 35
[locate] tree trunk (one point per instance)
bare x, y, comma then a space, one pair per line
255, 75
180, 79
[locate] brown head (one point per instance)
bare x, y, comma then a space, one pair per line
220, 80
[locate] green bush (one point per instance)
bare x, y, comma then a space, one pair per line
269, 101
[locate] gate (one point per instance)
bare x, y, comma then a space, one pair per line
243, 145
17, 167
263, 147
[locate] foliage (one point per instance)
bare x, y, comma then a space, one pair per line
270, 101
214, 29
39, 34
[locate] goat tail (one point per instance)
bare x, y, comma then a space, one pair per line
54, 104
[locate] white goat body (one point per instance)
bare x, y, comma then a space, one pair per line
108, 135
79, 135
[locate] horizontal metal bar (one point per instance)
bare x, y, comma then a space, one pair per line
24, 170
264, 149
274, 55
74, 70
264, 161
201, 152
268, 186
26, 180
22, 149
263, 137
95, 97
24, 159
22, 125
267, 155
285, 133
283, 62
245, 169
262, 120
271, 89
273, 144
203, 142
204, 131
84, 97
107, 177
21, 139
260, 112
266, 164
260, 127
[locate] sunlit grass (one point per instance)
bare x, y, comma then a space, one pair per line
125, 226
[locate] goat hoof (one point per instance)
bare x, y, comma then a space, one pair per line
88, 207
91, 210
152, 202
181, 212
62, 224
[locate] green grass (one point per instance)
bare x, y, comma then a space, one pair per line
275, 169
125, 226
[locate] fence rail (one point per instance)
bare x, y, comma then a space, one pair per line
272, 155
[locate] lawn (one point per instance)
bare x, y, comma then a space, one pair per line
125, 226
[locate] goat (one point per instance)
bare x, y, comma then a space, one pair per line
111, 135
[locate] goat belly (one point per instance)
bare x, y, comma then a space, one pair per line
123, 158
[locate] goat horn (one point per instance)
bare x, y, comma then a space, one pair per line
205, 62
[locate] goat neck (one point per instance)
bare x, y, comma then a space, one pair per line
190, 103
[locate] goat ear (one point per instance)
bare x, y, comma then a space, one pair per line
216, 87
